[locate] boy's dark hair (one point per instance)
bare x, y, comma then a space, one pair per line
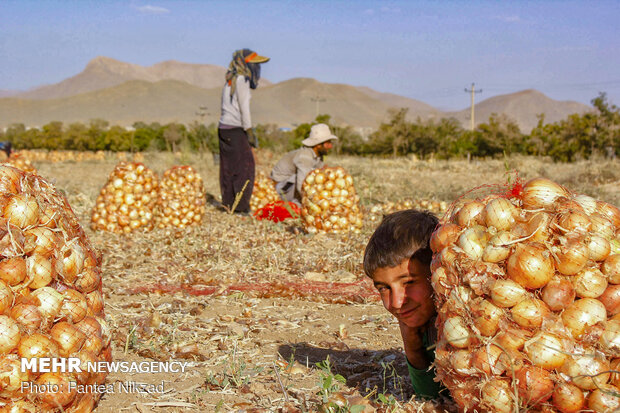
401, 235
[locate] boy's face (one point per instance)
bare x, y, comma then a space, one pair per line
406, 292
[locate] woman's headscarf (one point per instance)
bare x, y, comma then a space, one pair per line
240, 67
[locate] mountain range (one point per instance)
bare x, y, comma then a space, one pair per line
123, 93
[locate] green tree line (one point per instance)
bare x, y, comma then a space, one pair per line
576, 137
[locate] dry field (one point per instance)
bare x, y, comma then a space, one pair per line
252, 307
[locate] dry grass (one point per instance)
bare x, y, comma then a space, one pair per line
240, 299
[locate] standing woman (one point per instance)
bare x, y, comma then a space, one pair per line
235, 129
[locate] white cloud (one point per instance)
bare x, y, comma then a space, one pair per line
148, 9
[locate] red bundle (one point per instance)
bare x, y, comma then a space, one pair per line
278, 211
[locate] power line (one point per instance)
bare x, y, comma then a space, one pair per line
473, 92
317, 99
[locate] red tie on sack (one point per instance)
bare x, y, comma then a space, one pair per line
278, 211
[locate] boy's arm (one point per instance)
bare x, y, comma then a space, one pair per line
422, 379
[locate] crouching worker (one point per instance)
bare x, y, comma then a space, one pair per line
398, 258
6, 147
290, 171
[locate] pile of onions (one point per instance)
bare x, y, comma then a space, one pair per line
329, 202
378, 211
264, 192
127, 200
18, 161
51, 302
527, 289
181, 198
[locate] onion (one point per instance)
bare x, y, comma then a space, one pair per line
568, 398
74, 306
530, 265
587, 203
27, 316
487, 317
615, 375
507, 293
534, 384
70, 262
456, 332
570, 221
558, 294
88, 281
461, 362
38, 346
582, 314
496, 396
6, 296
41, 270
512, 338
68, 338
89, 326
40, 240
440, 281
497, 249
11, 376
611, 268
589, 283
470, 214
545, 350
487, 360
538, 227
599, 248
13, 270
610, 339
611, 212
605, 399
445, 235
586, 371
611, 299
50, 302
9, 334
86, 357
106, 333
530, 313
22, 210
93, 343
571, 257
9, 179
95, 303
602, 226
541, 193
472, 241
445, 258
56, 381
500, 213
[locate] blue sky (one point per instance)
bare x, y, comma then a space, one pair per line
430, 51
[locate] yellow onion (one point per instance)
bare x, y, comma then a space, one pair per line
541, 193
605, 399
50, 302
487, 317
507, 293
587, 203
9, 334
498, 247
473, 241
41, 270
40, 240
496, 396
11, 375
13, 270
586, 371
582, 314
264, 192
9, 179
530, 313
512, 338
22, 210
530, 265
570, 221
89, 280
599, 248
456, 332
611, 268
487, 360
68, 338
441, 281
181, 201
74, 307
610, 339
70, 262
601, 225
470, 214
27, 316
95, 303
568, 398
589, 283
534, 384
571, 257
37, 346
611, 299
6, 296
609, 211
558, 294
444, 236
49, 382
461, 362
500, 213
545, 350
537, 227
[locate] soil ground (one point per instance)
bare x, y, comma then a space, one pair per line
252, 306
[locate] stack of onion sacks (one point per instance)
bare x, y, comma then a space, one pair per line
330, 203
51, 302
18, 161
181, 199
527, 288
264, 192
378, 211
127, 200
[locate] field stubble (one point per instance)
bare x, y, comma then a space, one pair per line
253, 306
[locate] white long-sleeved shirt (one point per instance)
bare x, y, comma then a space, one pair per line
236, 112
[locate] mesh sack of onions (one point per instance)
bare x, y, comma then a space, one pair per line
264, 192
127, 200
181, 199
527, 287
20, 162
330, 203
51, 303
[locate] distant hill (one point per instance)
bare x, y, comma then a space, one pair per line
522, 107
123, 93
8, 93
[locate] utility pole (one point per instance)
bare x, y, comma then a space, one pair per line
317, 99
473, 92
